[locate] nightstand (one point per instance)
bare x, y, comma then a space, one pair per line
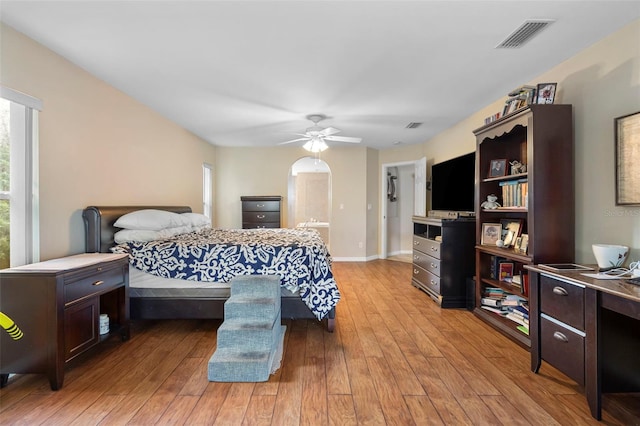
51, 311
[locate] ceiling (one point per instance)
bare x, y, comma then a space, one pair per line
246, 73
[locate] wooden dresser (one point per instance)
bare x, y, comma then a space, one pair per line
261, 211
51, 311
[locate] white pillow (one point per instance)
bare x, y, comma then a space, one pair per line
145, 235
197, 220
129, 235
150, 220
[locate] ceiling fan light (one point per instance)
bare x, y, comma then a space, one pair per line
315, 145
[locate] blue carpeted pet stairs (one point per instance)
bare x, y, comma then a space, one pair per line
250, 340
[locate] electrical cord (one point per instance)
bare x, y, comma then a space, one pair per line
632, 271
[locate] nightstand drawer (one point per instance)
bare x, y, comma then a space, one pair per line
427, 246
261, 206
429, 263
78, 286
261, 225
260, 217
563, 301
562, 347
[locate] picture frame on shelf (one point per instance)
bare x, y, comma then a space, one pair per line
517, 244
546, 93
513, 225
509, 239
491, 232
627, 140
524, 243
498, 168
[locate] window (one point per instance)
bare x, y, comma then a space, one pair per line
207, 190
19, 231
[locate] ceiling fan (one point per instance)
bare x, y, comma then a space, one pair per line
316, 136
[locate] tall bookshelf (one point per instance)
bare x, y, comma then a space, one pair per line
541, 137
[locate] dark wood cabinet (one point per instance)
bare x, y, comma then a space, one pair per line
540, 199
261, 211
443, 258
587, 328
56, 305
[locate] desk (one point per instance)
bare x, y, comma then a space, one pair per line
587, 328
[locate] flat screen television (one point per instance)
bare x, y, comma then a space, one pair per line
453, 184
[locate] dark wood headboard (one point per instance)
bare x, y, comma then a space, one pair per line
98, 224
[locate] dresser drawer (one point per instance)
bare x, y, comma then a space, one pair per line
563, 301
429, 263
426, 279
94, 281
261, 206
562, 347
427, 246
260, 217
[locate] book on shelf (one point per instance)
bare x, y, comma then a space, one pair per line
517, 319
514, 193
497, 311
524, 329
491, 301
505, 270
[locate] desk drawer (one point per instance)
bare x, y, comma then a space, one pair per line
429, 263
427, 279
261, 206
95, 281
563, 348
427, 246
563, 301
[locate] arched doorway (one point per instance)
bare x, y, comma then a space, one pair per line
310, 196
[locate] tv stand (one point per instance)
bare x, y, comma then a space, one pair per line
443, 258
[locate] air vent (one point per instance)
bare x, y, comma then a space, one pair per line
524, 33
413, 125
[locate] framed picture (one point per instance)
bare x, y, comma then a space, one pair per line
491, 232
627, 135
524, 243
498, 168
546, 93
513, 225
509, 239
516, 245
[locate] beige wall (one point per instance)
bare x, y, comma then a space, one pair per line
95, 145
265, 171
601, 83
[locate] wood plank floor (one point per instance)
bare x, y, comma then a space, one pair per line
394, 358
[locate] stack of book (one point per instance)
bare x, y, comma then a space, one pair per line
519, 98
507, 305
514, 193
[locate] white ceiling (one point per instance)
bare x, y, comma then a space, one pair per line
246, 73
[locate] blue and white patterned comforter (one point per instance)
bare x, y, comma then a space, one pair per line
299, 257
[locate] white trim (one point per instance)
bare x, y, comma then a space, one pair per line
354, 259
20, 98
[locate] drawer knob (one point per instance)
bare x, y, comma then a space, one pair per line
260, 216
98, 283
259, 205
434, 248
416, 257
561, 337
416, 272
433, 282
416, 243
560, 291
434, 266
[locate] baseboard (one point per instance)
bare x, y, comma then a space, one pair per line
355, 259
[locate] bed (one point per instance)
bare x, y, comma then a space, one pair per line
158, 294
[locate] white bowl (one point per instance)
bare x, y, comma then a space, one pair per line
610, 255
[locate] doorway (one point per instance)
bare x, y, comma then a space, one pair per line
309, 195
403, 195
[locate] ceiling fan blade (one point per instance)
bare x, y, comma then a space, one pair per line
294, 140
343, 139
329, 131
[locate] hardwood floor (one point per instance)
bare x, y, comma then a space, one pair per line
394, 358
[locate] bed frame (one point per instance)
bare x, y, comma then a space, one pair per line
99, 238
